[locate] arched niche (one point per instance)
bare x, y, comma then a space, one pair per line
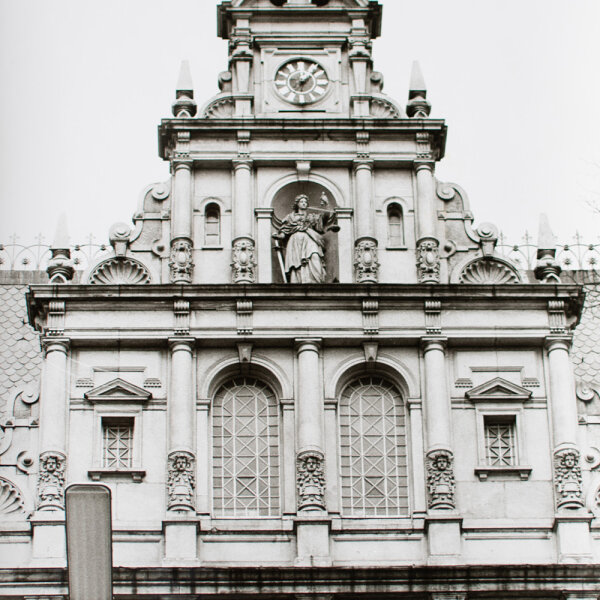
283, 205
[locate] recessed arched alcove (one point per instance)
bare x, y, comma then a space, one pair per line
283, 205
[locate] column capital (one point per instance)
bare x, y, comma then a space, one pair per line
185, 344
307, 344
242, 163
50, 344
181, 163
424, 164
558, 342
365, 164
434, 342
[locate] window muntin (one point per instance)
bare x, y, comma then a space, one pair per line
374, 475
117, 443
395, 225
500, 441
245, 426
212, 225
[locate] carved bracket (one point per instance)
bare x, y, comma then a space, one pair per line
433, 317
244, 317
440, 479
310, 480
181, 481
557, 316
181, 309
56, 318
370, 311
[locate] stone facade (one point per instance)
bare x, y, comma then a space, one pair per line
303, 368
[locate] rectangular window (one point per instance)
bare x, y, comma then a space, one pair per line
500, 441
117, 442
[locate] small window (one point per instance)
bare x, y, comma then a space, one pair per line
500, 441
395, 225
212, 225
117, 443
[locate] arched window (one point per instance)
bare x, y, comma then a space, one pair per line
245, 427
212, 225
374, 474
395, 225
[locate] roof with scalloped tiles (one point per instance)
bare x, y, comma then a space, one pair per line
20, 356
586, 344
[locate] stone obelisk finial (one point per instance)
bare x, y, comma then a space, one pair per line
185, 105
418, 106
547, 269
60, 267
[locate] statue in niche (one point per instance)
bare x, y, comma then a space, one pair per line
302, 233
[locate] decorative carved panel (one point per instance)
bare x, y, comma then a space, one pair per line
120, 271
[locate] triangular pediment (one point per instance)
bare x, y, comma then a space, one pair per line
498, 390
118, 390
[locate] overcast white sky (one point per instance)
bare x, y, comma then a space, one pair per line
84, 84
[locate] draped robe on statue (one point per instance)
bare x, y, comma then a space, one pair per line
304, 255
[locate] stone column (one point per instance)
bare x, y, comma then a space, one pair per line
243, 262
180, 525
366, 262
54, 407
428, 254
204, 451
48, 521
264, 217
181, 263
312, 525
572, 521
443, 523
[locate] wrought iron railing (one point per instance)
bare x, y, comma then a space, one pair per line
15, 256
577, 255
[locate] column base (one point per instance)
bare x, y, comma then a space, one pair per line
312, 541
181, 541
573, 537
444, 538
49, 548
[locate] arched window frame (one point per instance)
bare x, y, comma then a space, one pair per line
395, 231
402, 468
214, 238
276, 478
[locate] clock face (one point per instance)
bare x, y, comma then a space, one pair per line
301, 81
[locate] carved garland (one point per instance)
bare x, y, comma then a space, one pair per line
181, 481
311, 481
51, 483
440, 479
